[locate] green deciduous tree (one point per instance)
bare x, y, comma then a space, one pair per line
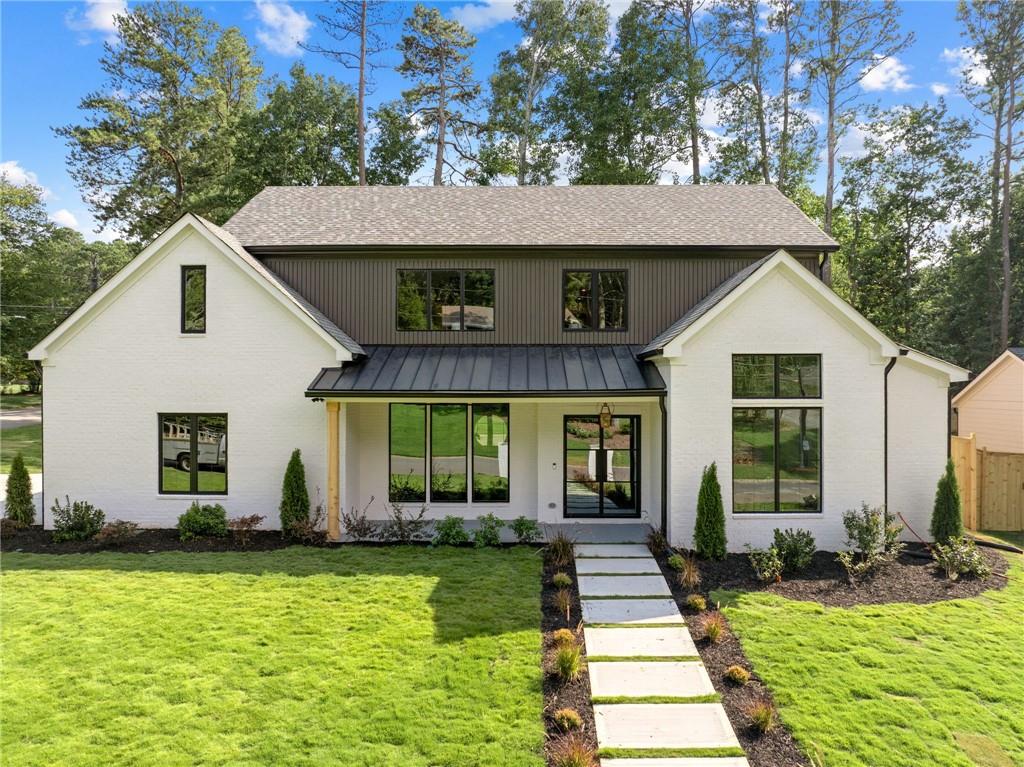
294, 495
20, 507
709, 532
946, 517
396, 152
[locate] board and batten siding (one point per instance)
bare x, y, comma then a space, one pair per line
358, 294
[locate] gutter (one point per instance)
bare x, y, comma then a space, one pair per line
885, 428
664, 465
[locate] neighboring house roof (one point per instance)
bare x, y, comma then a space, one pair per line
687, 216
1017, 351
344, 346
1013, 355
504, 370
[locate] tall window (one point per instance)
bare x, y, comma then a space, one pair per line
436, 437
193, 299
445, 299
776, 459
594, 299
194, 453
774, 376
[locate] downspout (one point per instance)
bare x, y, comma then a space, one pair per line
664, 465
885, 429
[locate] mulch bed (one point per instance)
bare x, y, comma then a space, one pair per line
35, 540
557, 694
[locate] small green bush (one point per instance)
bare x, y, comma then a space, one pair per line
203, 520
559, 550
874, 539
714, 627
737, 675
450, 532
525, 530
947, 522
676, 562
562, 580
795, 548
766, 563
563, 637
568, 663
117, 532
709, 533
763, 716
697, 603
961, 557
488, 532
20, 507
567, 719
76, 521
294, 495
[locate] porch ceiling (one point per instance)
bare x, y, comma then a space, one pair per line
525, 371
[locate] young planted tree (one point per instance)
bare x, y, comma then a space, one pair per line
435, 51
294, 495
946, 517
20, 507
709, 533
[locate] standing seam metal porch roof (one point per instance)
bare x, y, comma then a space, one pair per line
492, 370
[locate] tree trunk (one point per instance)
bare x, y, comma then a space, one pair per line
442, 125
787, 61
762, 128
1004, 308
830, 157
361, 99
693, 119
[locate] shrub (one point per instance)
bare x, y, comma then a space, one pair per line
488, 532
404, 527
689, 573
572, 751
714, 628
20, 507
77, 521
946, 520
242, 527
559, 550
697, 603
766, 563
563, 637
294, 496
874, 539
676, 562
762, 715
562, 580
737, 675
203, 520
311, 531
563, 602
117, 532
567, 719
450, 532
525, 530
356, 524
795, 548
568, 663
961, 557
709, 533
656, 541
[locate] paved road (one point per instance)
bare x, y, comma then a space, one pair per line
26, 416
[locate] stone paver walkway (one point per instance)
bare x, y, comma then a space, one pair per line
639, 649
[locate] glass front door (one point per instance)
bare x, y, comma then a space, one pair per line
602, 467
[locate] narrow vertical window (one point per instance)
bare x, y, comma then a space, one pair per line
408, 456
448, 454
412, 299
490, 453
193, 299
478, 313
445, 300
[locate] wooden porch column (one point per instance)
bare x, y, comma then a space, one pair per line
333, 490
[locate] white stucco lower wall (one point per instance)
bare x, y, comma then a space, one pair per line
104, 388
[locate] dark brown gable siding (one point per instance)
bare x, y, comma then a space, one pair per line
358, 294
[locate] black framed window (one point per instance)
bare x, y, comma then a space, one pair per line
193, 453
407, 441
448, 469
445, 299
776, 376
193, 299
776, 459
490, 435
595, 299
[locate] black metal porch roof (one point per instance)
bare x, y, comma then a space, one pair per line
527, 371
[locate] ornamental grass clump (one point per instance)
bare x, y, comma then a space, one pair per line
563, 602
561, 580
656, 541
567, 663
563, 637
947, 522
763, 716
559, 550
572, 751
689, 573
709, 532
714, 627
697, 603
567, 719
737, 675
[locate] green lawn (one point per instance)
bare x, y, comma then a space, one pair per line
898, 685
354, 656
1006, 536
19, 401
27, 440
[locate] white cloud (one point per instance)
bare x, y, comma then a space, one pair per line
797, 67
282, 28
966, 62
97, 16
64, 217
479, 17
19, 176
939, 89
887, 74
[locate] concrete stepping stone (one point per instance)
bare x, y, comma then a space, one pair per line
612, 550
676, 761
623, 586
631, 611
645, 678
663, 725
617, 566
668, 642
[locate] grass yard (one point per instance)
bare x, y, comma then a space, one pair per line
20, 401
899, 685
355, 656
1006, 536
27, 440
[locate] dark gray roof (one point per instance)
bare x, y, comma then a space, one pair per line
701, 308
297, 298
710, 216
499, 370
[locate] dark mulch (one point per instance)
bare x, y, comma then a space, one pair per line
35, 540
575, 695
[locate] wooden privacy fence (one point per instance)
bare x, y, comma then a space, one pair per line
991, 486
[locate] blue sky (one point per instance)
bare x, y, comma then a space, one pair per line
49, 54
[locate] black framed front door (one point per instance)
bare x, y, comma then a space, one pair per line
602, 466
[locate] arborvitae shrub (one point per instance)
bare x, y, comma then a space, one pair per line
946, 520
294, 495
709, 534
20, 507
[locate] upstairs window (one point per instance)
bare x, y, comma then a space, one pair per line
594, 299
776, 376
445, 299
193, 299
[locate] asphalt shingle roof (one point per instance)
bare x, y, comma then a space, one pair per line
737, 216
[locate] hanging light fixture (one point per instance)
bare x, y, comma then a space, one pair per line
605, 416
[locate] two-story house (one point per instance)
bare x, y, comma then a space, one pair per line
564, 353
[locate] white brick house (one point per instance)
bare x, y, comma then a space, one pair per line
560, 353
